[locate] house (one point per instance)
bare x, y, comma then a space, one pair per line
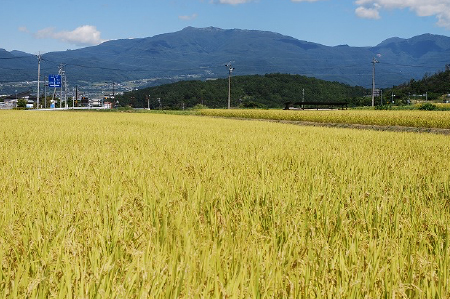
10, 101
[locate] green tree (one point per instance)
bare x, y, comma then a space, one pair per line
21, 103
270, 90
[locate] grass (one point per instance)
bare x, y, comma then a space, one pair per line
152, 205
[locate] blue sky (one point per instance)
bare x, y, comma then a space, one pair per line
44, 26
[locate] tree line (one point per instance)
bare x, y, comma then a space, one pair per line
264, 91
430, 87
274, 90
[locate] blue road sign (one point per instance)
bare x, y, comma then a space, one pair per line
54, 81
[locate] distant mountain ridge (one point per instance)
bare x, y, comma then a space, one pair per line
202, 52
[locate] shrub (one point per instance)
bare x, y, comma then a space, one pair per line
427, 107
21, 103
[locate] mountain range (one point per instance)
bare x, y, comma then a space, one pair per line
202, 53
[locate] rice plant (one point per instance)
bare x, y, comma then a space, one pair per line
120, 205
407, 118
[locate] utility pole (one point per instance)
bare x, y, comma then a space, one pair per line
230, 70
39, 79
303, 98
62, 73
60, 91
381, 97
373, 80
65, 89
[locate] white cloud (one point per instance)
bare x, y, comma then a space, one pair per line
82, 36
423, 8
444, 19
368, 13
188, 18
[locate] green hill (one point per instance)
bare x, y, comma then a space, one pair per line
270, 90
434, 87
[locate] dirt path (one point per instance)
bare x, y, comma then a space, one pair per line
372, 127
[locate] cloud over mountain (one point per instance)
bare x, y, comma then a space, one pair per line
86, 35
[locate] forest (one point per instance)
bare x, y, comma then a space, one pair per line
434, 87
274, 90
253, 91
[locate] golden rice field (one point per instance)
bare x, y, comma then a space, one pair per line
123, 205
443, 105
412, 118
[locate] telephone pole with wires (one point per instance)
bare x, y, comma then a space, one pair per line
39, 80
230, 70
62, 73
374, 61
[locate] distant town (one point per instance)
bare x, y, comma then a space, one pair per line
87, 94
93, 95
